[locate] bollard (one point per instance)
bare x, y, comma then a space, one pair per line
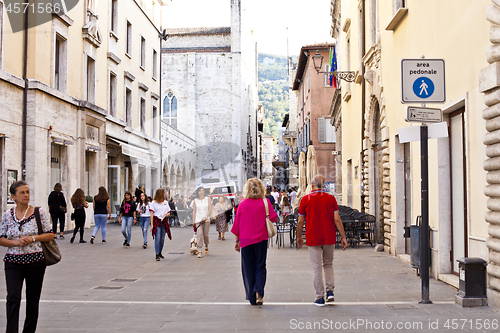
472, 283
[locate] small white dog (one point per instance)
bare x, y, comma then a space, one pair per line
194, 245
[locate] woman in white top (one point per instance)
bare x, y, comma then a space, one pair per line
160, 210
202, 209
144, 216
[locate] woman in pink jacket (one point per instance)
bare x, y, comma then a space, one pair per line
251, 239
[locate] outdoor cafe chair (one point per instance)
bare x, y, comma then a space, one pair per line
350, 229
366, 224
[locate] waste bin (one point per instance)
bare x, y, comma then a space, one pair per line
413, 232
472, 273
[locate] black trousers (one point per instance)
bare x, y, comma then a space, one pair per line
15, 275
58, 216
79, 222
253, 269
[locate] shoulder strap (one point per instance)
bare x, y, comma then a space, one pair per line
267, 208
38, 220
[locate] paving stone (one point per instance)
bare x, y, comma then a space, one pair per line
184, 294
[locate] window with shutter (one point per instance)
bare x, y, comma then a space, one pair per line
327, 76
330, 136
321, 130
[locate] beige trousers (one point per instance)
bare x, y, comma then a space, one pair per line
202, 234
322, 260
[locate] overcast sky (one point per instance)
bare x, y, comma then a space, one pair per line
308, 21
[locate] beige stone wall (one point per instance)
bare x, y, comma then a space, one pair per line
384, 49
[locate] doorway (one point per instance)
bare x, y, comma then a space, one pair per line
117, 185
407, 191
458, 188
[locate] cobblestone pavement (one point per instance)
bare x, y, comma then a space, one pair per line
110, 288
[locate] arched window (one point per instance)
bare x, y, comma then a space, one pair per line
170, 109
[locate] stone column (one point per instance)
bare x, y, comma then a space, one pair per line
489, 84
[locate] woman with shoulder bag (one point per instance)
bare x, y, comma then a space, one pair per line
251, 238
24, 260
57, 209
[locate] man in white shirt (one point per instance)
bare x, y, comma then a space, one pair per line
293, 195
276, 197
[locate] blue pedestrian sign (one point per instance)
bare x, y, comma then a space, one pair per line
423, 87
422, 81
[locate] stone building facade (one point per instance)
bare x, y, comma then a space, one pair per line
490, 84
380, 174
314, 98
209, 91
81, 66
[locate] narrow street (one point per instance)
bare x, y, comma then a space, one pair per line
110, 288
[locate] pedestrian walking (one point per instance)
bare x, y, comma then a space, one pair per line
173, 218
143, 210
320, 212
229, 211
102, 213
202, 210
221, 220
159, 212
57, 209
270, 197
24, 261
285, 206
251, 239
127, 217
79, 204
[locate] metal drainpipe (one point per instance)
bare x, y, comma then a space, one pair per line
160, 112
363, 96
25, 96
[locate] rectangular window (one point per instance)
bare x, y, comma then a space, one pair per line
373, 19
90, 80
128, 106
143, 53
155, 121
399, 4
326, 131
60, 63
129, 39
113, 87
327, 75
143, 114
155, 64
114, 16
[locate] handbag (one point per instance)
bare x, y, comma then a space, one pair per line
271, 228
62, 209
50, 249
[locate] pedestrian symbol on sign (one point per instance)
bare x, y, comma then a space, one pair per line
423, 87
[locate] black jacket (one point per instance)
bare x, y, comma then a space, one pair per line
56, 199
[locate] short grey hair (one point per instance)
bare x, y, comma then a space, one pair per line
318, 181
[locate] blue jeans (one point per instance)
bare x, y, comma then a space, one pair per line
159, 238
100, 222
145, 220
127, 223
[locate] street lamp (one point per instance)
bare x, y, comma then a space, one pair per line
348, 76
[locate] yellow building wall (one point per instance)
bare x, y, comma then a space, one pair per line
451, 30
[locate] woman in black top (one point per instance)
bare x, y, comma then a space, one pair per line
127, 215
102, 213
269, 196
57, 209
79, 205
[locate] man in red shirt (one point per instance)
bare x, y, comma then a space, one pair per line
321, 213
